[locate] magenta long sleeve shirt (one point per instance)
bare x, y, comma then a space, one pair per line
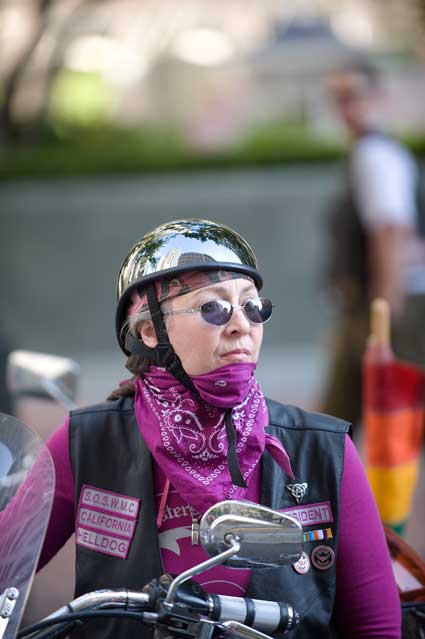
367, 603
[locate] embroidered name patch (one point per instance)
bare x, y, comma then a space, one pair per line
320, 513
106, 521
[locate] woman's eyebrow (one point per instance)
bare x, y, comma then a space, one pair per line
222, 290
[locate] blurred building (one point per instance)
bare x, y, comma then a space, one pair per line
213, 70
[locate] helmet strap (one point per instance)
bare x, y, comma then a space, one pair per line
164, 351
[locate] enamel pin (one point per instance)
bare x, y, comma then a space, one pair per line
297, 491
302, 566
322, 557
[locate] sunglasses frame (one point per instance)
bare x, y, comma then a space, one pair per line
198, 309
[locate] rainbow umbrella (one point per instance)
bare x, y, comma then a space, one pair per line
393, 415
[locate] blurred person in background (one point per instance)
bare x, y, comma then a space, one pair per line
191, 428
377, 246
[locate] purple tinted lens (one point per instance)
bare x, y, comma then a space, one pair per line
217, 312
259, 310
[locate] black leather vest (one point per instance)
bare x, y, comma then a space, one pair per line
109, 454
347, 270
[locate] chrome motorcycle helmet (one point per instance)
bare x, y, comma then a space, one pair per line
173, 248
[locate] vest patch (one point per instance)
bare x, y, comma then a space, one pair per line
106, 521
102, 543
310, 514
110, 502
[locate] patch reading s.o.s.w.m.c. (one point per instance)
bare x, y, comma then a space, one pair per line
106, 521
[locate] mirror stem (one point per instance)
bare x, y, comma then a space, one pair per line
205, 565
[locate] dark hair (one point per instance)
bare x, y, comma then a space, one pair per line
138, 366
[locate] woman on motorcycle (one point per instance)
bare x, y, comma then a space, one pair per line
192, 427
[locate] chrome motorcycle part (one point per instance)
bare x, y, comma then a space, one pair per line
267, 537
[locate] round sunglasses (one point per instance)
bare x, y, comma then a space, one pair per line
218, 312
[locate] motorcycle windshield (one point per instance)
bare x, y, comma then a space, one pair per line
27, 481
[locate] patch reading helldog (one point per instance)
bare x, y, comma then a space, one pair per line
310, 514
106, 521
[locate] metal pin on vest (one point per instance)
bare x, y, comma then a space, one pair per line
297, 491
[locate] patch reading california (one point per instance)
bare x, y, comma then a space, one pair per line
106, 521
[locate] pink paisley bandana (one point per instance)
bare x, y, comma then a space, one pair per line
187, 436
181, 284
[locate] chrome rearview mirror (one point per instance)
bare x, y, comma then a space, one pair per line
40, 375
241, 534
267, 538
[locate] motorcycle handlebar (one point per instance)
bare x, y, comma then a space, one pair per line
99, 598
267, 616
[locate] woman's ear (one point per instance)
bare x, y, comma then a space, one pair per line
147, 333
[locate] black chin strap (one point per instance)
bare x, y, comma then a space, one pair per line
164, 355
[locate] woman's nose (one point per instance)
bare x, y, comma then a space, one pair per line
239, 321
